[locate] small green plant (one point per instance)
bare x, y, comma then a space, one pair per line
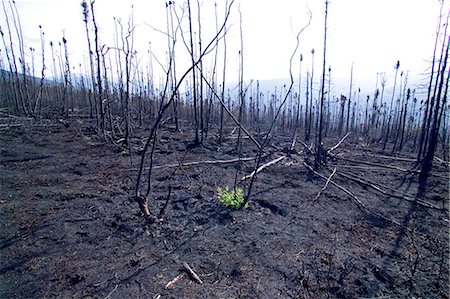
231, 198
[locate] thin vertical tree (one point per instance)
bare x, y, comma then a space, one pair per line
311, 98
297, 117
98, 68
38, 101
11, 77
349, 100
388, 125
18, 91
328, 109
171, 40
22, 58
441, 94
223, 84
241, 88
307, 120
435, 90
67, 95
92, 101
424, 128
400, 122
194, 75
319, 146
200, 70
383, 81
403, 125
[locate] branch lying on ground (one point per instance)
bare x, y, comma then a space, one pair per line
326, 185
192, 273
446, 163
293, 142
393, 158
338, 144
173, 281
308, 148
261, 168
195, 163
374, 164
379, 189
360, 205
164, 107
366, 168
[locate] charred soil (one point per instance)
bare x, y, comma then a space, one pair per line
70, 228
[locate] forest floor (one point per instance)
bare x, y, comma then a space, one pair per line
69, 227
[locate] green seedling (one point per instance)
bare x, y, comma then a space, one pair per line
231, 198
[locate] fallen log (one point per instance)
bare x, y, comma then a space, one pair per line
192, 273
360, 205
195, 163
173, 281
374, 164
262, 167
384, 192
338, 144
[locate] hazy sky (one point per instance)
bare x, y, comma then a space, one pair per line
371, 34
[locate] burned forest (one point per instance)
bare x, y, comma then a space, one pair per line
136, 174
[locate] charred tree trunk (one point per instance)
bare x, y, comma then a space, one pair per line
388, 125
194, 80
318, 160
427, 163
347, 126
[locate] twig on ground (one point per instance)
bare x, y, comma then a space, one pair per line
382, 191
262, 167
163, 209
366, 168
293, 142
362, 206
393, 158
338, 144
173, 281
326, 185
199, 163
375, 164
109, 295
192, 273
446, 163
308, 148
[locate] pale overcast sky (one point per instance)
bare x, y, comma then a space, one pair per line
372, 34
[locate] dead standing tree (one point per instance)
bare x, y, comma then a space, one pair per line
319, 155
99, 68
67, 94
297, 118
223, 85
388, 125
347, 126
128, 51
265, 139
38, 102
425, 126
22, 58
194, 76
433, 133
171, 40
142, 199
85, 12
18, 88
